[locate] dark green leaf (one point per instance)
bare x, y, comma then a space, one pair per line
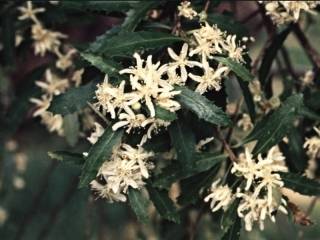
271, 129
227, 219
99, 42
67, 157
73, 100
233, 232
301, 184
104, 65
139, 204
99, 152
310, 114
183, 141
163, 204
248, 98
271, 53
296, 157
240, 70
106, 6
128, 43
135, 15
191, 187
313, 101
174, 172
202, 107
71, 127
164, 114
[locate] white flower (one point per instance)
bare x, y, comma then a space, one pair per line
149, 85
98, 131
245, 122
262, 169
255, 89
53, 84
44, 39
139, 155
28, 12
64, 60
20, 160
186, 10
282, 12
253, 209
234, 52
202, 143
155, 125
104, 191
42, 104
182, 61
308, 78
211, 79
221, 196
127, 167
129, 120
77, 77
111, 98
313, 144
53, 122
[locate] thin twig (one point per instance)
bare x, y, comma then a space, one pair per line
206, 6
226, 146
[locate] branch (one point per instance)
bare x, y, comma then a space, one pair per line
308, 48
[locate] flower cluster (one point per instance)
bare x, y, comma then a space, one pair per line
313, 151
44, 41
186, 10
259, 197
127, 167
282, 12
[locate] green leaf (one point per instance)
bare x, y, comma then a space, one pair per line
129, 42
164, 114
202, 107
73, 100
248, 98
190, 187
67, 157
163, 204
71, 128
104, 65
294, 152
234, 231
272, 128
228, 23
240, 70
99, 152
313, 101
227, 218
107, 6
271, 53
99, 42
174, 172
310, 114
183, 141
135, 15
301, 184
139, 204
